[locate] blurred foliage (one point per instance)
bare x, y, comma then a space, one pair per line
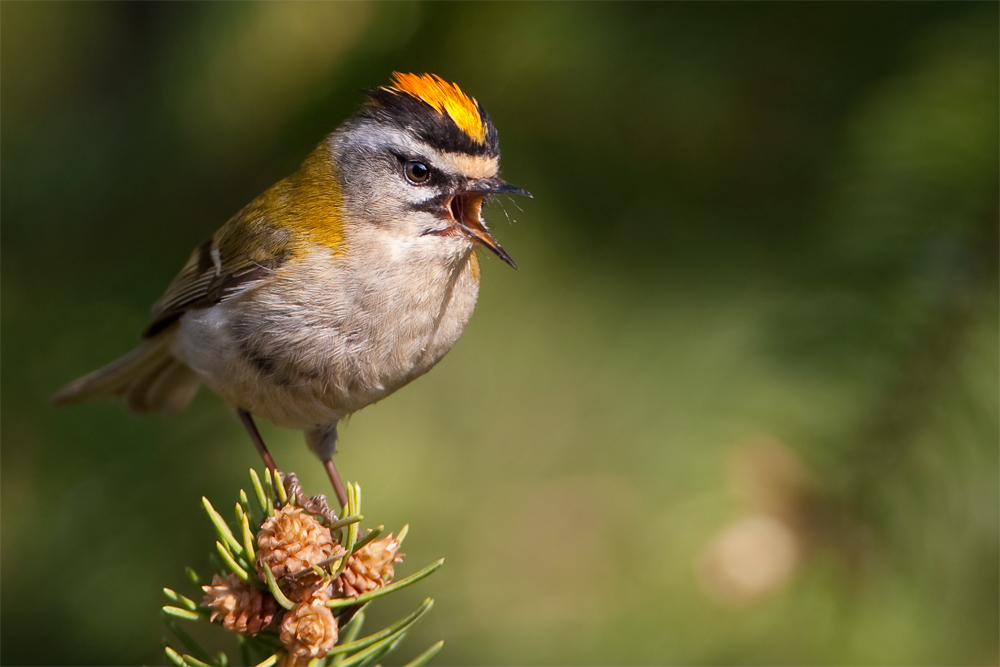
739, 404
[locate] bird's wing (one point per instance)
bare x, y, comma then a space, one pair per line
255, 242
218, 269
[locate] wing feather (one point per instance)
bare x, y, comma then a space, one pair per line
210, 276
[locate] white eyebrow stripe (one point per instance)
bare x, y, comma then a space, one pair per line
469, 165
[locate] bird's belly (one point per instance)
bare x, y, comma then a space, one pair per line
303, 351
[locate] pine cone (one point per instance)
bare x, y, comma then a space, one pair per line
309, 630
242, 607
309, 586
290, 541
369, 567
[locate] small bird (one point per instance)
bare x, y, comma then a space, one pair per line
338, 285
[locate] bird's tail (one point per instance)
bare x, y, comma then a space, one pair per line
149, 379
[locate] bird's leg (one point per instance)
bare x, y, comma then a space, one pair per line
247, 420
338, 486
322, 440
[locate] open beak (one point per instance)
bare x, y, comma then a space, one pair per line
466, 208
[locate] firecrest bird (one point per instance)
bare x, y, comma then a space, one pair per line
338, 285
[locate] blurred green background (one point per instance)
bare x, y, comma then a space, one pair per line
739, 405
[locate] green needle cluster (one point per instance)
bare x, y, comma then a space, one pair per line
309, 616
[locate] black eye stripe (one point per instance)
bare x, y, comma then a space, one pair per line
435, 204
441, 180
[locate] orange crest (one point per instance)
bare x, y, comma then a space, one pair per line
447, 98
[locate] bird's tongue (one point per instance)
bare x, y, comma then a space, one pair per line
466, 209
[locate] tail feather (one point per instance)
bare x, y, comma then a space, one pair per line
149, 379
170, 390
134, 393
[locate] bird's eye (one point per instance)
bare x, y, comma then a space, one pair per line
417, 172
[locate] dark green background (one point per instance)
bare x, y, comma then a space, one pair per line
757, 296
